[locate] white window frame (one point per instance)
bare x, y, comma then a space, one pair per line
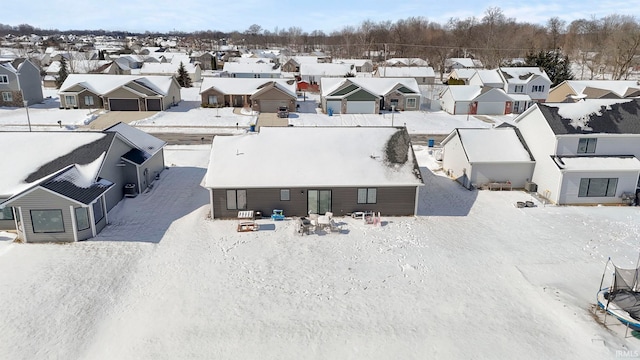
7, 96
537, 88
285, 194
73, 101
88, 100
411, 100
4, 79
518, 89
587, 145
41, 221
236, 199
587, 186
213, 99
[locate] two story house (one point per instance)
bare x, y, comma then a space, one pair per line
526, 85
19, 82
586, 152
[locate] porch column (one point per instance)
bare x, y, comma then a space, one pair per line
74, 225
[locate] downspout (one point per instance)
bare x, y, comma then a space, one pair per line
104, 210
93, 221
415, 208
211, 201
24, 231
74, 226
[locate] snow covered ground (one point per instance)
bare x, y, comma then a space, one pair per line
189, 116
471, 277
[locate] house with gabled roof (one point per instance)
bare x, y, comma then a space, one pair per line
463, 75
311, 73
171, 69
476, 157
530, 84
424, 75
63, 184
586, 152
252, 70
576, 90
368, 95
475, 100
119, 92
264, 95
19, 82
406, 62
380, 174
292, 64
462, 63
486, 78
361, 65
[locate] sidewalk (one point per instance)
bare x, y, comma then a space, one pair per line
111, 118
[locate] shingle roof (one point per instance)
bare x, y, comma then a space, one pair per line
609, 117
64, 184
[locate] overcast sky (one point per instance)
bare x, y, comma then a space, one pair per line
325, 15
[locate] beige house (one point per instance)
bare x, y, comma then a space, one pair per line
263, 95
119, 92
575, 90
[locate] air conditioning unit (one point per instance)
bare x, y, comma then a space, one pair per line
530, 186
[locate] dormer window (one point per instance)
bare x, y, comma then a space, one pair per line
587, 145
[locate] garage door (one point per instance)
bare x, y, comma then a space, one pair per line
123, 105
491, 108
361, 107
335, 106
154, 105
271, 106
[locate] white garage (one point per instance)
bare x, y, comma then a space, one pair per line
361, 107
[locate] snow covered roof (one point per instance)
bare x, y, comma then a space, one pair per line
465, 62
464, 92
326, 69
103, 83
492, 145
165, 68
462, 74
138, 138
32, 151
612, 116
79, 183
619, 87
408, 62
522, 75
305, 157
254, 68
243, 86
356, 62
406, 71
489, 76
597, 163
378, 86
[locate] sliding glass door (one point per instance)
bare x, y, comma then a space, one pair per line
319, 201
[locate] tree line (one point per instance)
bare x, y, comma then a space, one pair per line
607, 45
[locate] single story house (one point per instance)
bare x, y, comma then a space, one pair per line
424, 75
252, 70
576, 90
462, 75
264, 95
171, 69
475, 100
369, 95
63, 184
361, 65
327, 169
476, 157
119, 92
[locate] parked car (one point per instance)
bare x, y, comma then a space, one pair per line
283, 112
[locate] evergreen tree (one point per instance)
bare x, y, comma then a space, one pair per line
62, 73
183, 77
555, 64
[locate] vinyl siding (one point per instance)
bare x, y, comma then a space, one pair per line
391, 201
114, 173
44, 200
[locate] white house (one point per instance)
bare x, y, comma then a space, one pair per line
525, 81
254, 70
424, 75
475, 99
486, 78
586, 152
475, 157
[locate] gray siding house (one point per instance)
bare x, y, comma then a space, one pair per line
65, 183
19, 81
326, 170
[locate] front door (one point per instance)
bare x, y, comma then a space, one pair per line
318, 201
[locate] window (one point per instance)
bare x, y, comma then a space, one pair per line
367, 196
88, 100
4, 79
537, 88
47, 221
213, 99
411, 103
236, 199
70, 100
98, 214
519, 89
285, 195
7, 96
6, 213
587, 146
82, 218
598, 187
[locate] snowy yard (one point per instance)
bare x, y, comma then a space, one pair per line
471, 277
